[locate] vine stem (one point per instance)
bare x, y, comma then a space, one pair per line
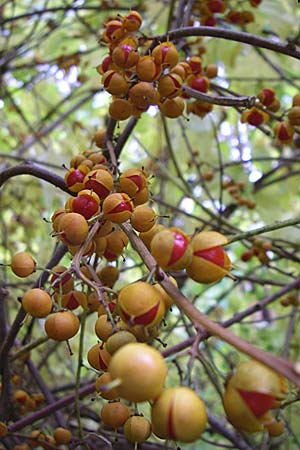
280, 365
78, 374
232, 35
277, 225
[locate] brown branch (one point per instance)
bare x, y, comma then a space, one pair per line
242, 101
35, 171
231, 35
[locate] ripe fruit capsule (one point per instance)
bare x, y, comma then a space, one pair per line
250, 393
115, 83
141, 370
22, 264
114, 414
132, 21
254, 116
165, 54
99, 181
178, 414
171, 249
125, 56
117, 207
210, 262
172, 107
147, 69
62, 435
137, 429
103, 327
284, 132
169, 85
142, 95
37, 302
75, 176
120, 109
87, 203
98, 357
143, 218
73, 229
62, 325
140, 304
132, 181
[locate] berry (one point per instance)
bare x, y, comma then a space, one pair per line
137, 429
132, 21
37, 302
209, 263
99, 181
108, 275
147, 69
103, 327
141, 370
114, 414
294, 115
22, 264
143, 218
75, 176
117, 207
172, 107
87, 203
284, 132
62, 435
250, 393
132, 181
125, 56
171, 249
62, 325
115, 83
165, 54
178, 414
140, 304
142, 95
169, 85
120, 109
98, 357
100, 137
73, 229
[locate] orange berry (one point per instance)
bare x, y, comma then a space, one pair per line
37, 302
22, 264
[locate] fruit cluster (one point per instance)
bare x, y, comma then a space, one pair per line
37, 438
235, 189
259, 249
136, 372
211, 11
151, 77
284, 130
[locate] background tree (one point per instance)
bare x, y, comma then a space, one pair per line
228, 163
